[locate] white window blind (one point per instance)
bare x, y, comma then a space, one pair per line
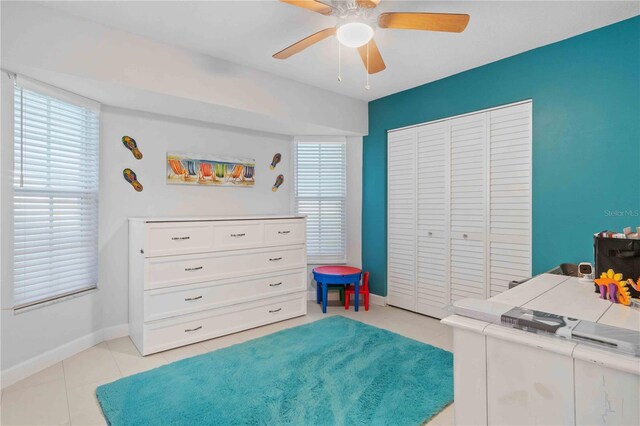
55, 203
320, 194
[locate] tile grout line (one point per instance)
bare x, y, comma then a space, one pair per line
66, 390
115, 361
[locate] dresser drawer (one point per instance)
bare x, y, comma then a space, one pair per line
284, 232
239, 234
186, 329
173, 301
189, 269
164, 239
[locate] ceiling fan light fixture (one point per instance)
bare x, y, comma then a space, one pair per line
354, 34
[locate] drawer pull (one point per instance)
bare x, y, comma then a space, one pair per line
197, 268
284, 232
465, 236
180, 238
275, 310
430, 233
192, 329
238, 235
275, 259
275, 284
188, 299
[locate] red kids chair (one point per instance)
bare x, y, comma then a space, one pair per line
364, 290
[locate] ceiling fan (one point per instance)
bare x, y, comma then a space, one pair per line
357, 21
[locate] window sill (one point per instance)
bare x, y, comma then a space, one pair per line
327, 262
39, 305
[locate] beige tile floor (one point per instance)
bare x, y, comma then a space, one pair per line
64, 394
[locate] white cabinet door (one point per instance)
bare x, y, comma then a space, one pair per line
605, 396
528, 385
433, 219
459, 208
468, 216
510, 196
401, 219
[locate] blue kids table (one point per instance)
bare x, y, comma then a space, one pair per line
336, 275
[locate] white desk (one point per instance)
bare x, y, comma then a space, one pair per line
505, 376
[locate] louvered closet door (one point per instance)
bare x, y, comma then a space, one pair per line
467, 215
433, 226
401, 220
510, 196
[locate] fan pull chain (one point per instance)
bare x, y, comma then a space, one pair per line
367, 69
339, 62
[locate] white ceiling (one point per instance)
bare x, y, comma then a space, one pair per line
249, 32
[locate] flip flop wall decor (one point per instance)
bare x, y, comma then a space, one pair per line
131, 145
279, 181
131, 177
275, 161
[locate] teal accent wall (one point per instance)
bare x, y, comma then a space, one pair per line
586, 139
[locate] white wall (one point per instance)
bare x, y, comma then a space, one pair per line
121, 69
155, 136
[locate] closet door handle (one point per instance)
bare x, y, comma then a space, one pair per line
238, 235
192, 329
189, 299
275, 284
180, 238
275, 259
275, 310
197, 268
283, 232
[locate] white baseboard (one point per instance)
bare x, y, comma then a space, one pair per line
378, 300
373, 298
311, 295
31, 366
115, 332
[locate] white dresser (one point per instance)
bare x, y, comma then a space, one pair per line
192, 279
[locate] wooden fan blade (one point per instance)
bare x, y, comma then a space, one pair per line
367, 4
312, 5
376, 64
304, 43
448, 22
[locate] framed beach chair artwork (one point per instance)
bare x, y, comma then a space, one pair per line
209, 170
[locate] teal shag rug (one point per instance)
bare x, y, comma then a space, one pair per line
334, 371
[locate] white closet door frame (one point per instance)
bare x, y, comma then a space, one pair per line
526, 101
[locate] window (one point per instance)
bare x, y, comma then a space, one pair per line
55, 201
320, 194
